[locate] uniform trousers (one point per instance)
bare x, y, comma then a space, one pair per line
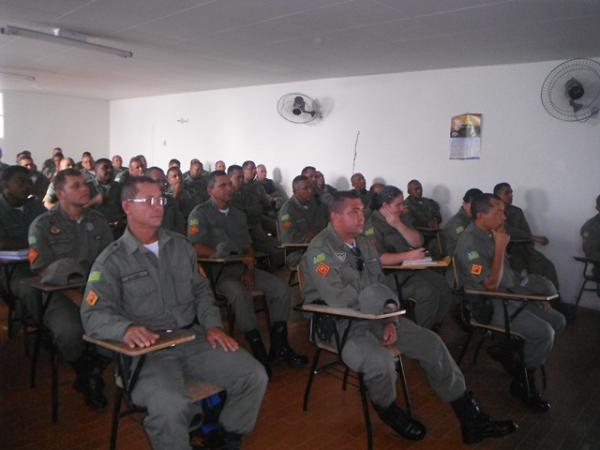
278, 296
365, 353
160, 389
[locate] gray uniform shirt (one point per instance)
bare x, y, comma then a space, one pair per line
226, 231
474, 256
53, 236
298, 221
331, 270
421, 212
128, 285
14, 222
453, 230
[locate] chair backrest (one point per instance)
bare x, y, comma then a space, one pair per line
300, 276
457, 281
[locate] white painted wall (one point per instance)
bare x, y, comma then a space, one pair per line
403, 120
39, 122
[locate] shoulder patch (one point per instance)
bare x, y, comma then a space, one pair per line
285, 217
32, 240
460, 229
319, 258
33, 255
473, 255
95, 276
287, 224
194, 222
476, 269
193, 229
91, 298
322, 269
370, 231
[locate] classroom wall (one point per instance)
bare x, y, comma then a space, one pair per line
403, 120
39, 122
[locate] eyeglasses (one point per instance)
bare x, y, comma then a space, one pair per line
149, 201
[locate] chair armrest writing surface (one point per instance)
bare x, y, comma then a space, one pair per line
166, 339
585, 259
346, 312
221, 260
511, 295
294, 245
36, 282
444, 262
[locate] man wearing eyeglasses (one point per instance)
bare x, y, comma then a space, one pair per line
341, 267
149, 280
71, 232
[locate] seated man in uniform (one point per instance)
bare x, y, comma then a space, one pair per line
220, 165
70, 233
481, 261
39, 183
110, 191
17, 211
590, 236
195, 183
173, 218
117, 162
457, 223
341, 267
254, 188
136, 168
359, 185
397, 242
323, 191
422, 212
275, 195
216, 228
250, 199
300, 217
149, 280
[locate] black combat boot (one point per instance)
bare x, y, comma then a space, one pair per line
89, 382
476, 425
394, 417
532, 399
258, 349
281, 350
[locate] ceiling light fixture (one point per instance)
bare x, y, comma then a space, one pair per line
17, 75
64, 37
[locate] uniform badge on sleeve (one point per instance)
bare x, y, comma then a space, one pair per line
91, 298
322, 269
33, 255
473, 255
193, 228
476, 269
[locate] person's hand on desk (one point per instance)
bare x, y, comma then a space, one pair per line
417, 253
137, 336
389, 334
216, 336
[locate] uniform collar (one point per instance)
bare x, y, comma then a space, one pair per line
479, 232
66, 217
131, 244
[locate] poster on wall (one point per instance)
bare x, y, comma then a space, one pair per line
465, 136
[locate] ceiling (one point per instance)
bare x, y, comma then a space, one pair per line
193, 45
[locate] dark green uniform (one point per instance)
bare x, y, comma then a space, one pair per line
228, 233
590, 236
331, 274
129, 285
196, 188
253, 201
14, 225
111, 207
523, 255
473, 258
429, 289
421, 212
54, 236
325, 195
453, 229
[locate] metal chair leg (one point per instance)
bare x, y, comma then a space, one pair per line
365, 407
465, 347
34, 358
580, 293
115, 418
54, 366
345, 379
311, 377
400, 370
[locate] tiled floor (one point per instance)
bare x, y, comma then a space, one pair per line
334, 419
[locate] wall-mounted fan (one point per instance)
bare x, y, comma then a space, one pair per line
298, 108
571, 91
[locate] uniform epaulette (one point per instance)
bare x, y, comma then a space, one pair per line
108, 251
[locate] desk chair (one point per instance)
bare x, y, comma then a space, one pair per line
43, 335
320, 312
588, 277
513, 341
126, 378
221, 301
